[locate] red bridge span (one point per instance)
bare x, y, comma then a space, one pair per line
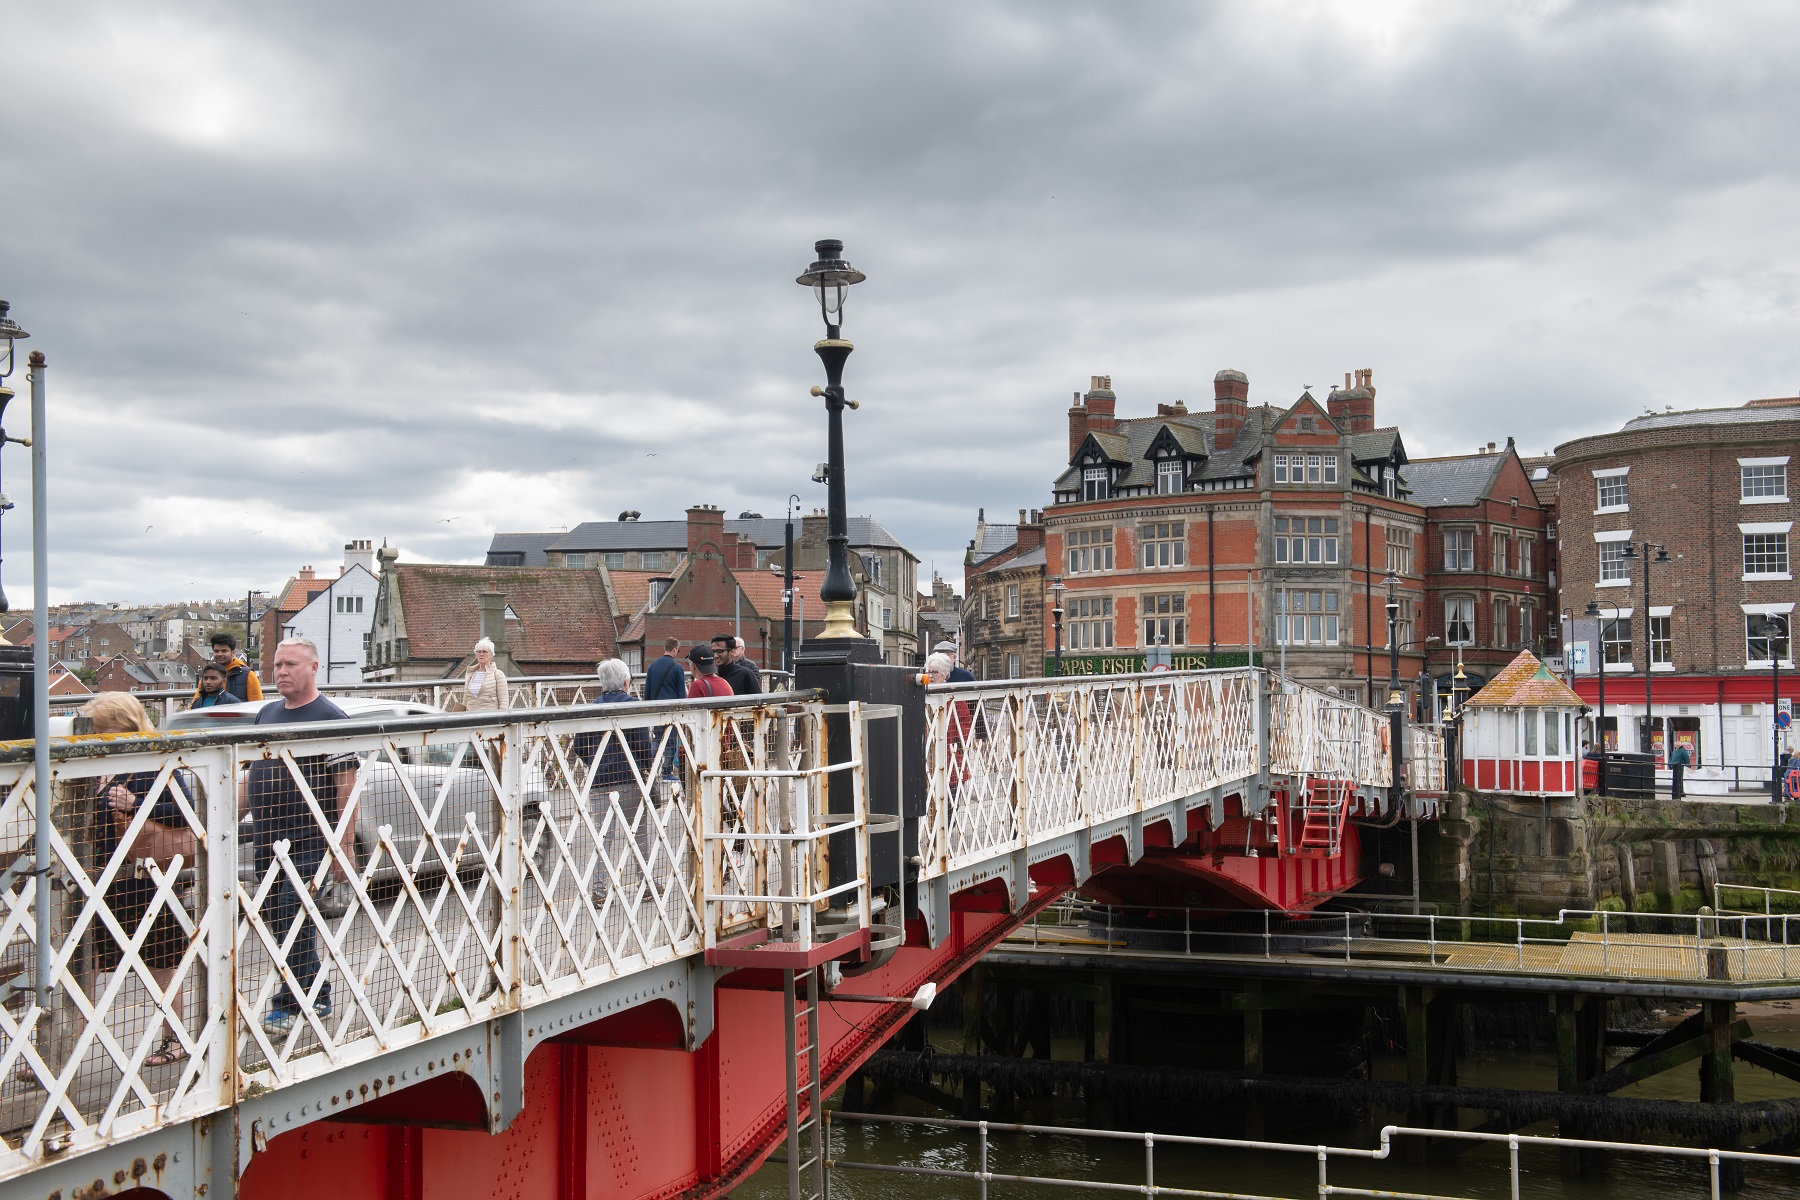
618, 950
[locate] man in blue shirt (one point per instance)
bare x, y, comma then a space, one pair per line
271, 793
665, 680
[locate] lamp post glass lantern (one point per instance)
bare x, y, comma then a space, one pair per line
831, 277
1057, 588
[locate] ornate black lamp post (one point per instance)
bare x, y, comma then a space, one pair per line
1772, 629
1593, 610
1057, 588
1646, 741
830, 278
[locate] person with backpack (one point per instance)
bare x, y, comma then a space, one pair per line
706, 684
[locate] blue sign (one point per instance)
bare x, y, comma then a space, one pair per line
1783, 719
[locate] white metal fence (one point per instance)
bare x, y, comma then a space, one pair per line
1017, 763
235, 912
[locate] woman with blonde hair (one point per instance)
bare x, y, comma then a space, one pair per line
484, 686
164, 837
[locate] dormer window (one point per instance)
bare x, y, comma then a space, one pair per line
1096, 483
1170, 477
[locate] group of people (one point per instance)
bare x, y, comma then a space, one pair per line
721, 668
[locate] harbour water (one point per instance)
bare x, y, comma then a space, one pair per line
1478, 1172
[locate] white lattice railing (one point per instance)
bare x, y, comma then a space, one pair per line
427, 875
1426, 771
537, 691
1016, 764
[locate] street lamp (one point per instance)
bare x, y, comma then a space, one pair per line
830, 278
1057, 588
40, 640
1396, 708
787, 594
11, 331
1772, 629
1646, 742
1593, 610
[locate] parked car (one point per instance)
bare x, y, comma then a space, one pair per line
384, 799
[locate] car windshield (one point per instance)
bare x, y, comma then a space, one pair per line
208, 718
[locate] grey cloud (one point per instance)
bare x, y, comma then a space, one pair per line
343, 270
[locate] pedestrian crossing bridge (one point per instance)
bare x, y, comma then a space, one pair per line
583, 927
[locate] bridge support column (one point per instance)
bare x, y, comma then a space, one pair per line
1717, 1085
1253, 1057
1431, 1022
1580, 1058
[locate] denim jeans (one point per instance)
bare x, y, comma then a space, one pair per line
280, 909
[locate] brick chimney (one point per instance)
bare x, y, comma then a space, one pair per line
743, 553
1031, 530
705, 523
1101, 405
1231, 406
1353, 405
1177, 409
1078, 425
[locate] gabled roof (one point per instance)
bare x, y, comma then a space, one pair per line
1453, 482
631, 589
1193, 433
994, 539
296, 593
1525, 683
563, 614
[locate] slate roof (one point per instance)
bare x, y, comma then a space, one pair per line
1452, 482
763, 591
563, 616
1193, 433
992, 539
1031, 558
531, 545
767, 532
1716, 416
1525, 683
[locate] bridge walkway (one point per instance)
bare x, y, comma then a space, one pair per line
444, 894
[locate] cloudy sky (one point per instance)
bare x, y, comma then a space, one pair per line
309, 272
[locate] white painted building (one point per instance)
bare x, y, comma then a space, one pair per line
338, 619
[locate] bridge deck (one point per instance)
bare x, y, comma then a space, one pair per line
477, 883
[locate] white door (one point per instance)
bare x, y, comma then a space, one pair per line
1745, 745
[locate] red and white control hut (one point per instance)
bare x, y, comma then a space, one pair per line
1520, 733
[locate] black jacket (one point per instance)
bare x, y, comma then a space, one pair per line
743, 677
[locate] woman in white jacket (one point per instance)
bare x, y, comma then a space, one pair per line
484, 686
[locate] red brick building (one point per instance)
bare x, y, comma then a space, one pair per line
1245, 530
1485, 564
1713, 487
718, 588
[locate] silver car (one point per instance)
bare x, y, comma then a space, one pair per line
384, 798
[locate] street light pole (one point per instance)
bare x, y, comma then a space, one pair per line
1766, 626
1396, 708
1056, 615
1647, 742
830, 278
1593, 610
787, 596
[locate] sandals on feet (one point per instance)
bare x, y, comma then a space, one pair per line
169, 1050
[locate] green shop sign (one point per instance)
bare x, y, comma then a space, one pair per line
1132, 664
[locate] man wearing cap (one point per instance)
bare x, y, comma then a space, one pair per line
706, 684
958, 672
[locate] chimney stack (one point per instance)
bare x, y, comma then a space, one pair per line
1031, 531
360, 553
1231, 406
1353, 407
706, 523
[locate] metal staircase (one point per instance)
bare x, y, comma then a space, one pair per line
805, 1135
1322, 826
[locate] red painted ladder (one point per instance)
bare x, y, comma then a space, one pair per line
1322, 830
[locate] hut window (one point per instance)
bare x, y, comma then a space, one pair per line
1551, 722
1531, 733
